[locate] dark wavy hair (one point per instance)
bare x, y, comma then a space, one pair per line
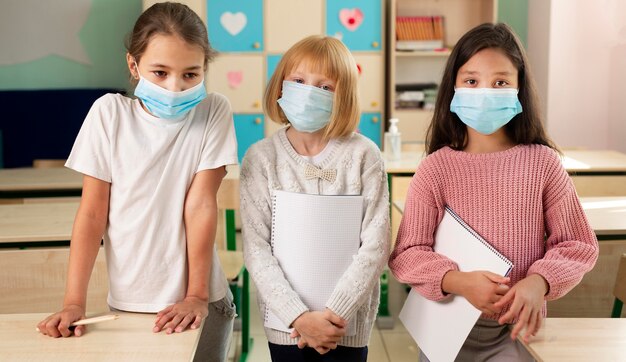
446, 129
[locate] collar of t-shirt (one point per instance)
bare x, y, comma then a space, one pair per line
319, 158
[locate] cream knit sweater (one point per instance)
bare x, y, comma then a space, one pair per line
273, 164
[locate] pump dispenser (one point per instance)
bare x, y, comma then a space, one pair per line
393, 142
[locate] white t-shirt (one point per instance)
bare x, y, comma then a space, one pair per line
150, 163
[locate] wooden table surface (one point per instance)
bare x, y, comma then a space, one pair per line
39, 179
580, 339
129, 338
37, 222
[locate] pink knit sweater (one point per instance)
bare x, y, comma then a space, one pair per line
520, 200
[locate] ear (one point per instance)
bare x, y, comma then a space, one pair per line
130, 61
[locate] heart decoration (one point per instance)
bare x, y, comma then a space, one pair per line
234, 78
233, 22
351, 19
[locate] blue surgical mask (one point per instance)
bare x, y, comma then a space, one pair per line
485, 109
307, 108
166, 104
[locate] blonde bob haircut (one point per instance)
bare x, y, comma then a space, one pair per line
330, 57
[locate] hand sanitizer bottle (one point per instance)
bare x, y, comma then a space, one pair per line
393, 143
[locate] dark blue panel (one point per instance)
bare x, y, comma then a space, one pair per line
43, 123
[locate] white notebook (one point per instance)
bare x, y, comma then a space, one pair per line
314, 238
441, 328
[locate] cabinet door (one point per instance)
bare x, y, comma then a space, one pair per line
240, 78
371, 81
235, 26
358, 23
288, 21
272, 63
249, 129
370, 126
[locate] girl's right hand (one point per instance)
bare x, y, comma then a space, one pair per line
319, 330
481, 288
58, 324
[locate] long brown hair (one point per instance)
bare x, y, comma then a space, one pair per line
169, 19
446, 129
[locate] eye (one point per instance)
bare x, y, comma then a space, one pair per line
470, 81
298, 80
327, 87
190, 75
502, 83
159, 73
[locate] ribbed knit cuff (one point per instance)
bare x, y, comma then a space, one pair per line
342, 304
291, 310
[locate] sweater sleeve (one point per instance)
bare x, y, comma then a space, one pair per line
571, 245
413, 260
256, 214
357, 281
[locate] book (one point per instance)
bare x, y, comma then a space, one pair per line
314, 238
441, 328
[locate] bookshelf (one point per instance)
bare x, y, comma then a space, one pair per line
425, 67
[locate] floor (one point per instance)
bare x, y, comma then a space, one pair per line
389, 345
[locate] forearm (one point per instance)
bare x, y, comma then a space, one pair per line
200, 226
84, 247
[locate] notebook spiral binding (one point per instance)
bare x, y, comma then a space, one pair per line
477, 236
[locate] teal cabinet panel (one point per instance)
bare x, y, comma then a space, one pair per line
235, 26
249, 129
272, 63
370, 126
357, 23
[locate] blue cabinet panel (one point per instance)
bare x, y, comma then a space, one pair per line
235, 26
370, 126
249, 129
272, 63
356, 22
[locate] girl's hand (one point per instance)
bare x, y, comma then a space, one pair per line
187, 313
58, 324
481, 288
319, 330
527, 296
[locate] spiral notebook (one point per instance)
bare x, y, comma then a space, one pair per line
314, 238
441, 328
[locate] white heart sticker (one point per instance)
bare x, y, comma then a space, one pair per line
233, 23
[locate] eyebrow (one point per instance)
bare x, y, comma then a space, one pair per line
473, 72
157, 65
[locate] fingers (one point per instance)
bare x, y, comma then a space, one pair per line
335, 319
506, 298
497, 278
196, 322
294, 334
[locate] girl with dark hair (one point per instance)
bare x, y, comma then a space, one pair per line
490, 160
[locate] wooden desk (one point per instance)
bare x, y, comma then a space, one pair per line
39, 182
580, 339
593, 297
37, 222
128, 338
33, 225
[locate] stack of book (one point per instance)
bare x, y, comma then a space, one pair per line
419, 32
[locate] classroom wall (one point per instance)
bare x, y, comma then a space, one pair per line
515, 14
51, 44
585, 67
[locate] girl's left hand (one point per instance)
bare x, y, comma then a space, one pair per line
527, 296
187, 313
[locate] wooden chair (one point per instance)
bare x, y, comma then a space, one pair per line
33, 281
620, 288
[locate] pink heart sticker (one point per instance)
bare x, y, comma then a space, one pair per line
234, 78
351, 18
